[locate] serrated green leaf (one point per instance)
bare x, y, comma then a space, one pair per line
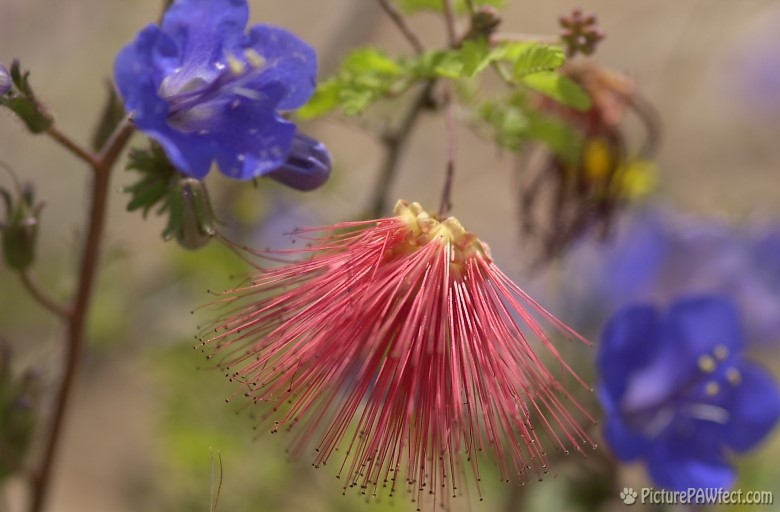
152, 186
475, 56
560, 88
536, 58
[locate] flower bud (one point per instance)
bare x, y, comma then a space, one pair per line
19, 400
5, 80
22, 100
307, 166
191, 219
20, 226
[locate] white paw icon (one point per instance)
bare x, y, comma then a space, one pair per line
628, 495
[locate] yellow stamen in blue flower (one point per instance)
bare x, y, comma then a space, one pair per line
721, 352
733, 376
255, 59
237, 67
706, 364
712, 388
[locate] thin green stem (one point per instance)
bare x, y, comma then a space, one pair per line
41, 296
74, 338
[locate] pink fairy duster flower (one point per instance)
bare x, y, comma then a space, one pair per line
400, 341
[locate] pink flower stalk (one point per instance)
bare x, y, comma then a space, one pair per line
399, 341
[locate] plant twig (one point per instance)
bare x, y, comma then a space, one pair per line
72, 146
449, 18
395, 144
103, 164
42, 297
400, 22
446, 193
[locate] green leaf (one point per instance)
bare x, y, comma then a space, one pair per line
324, 100
475, 56
410, 6
560, 88
535, 58
112, 114
365, 75
372, 61
156, 173
556, 135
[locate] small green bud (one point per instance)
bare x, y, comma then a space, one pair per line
5, 81
191, 219
21, 99
19, 407
20, 226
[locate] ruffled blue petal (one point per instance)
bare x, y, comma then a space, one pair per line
628, 343
204, 30
635, 259
703, 323
681, 462
140, 68
624, 442
754, 406
288, 61
308, 165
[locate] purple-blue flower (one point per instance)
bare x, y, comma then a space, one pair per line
5, 80
678, 394
208, 91
660, 254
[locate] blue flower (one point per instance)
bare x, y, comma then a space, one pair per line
659, 255
207, 91
678, 394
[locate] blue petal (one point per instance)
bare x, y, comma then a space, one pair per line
138, 71
204, 31
288, 61
625, 443
754, 406
705, 322
632, 264
308, 165
250, 139
681, 462
628, 343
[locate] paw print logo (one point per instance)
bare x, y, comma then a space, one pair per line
628, 495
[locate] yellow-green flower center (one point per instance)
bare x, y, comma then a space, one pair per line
426, 227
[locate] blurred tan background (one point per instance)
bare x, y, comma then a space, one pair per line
720, 155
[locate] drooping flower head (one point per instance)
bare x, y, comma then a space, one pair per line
401, 342
679, 395
207, 91
590, 182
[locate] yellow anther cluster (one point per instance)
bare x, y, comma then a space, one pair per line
733, 376
721, 352
712, 388
239, 67
426, 227
706, 364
